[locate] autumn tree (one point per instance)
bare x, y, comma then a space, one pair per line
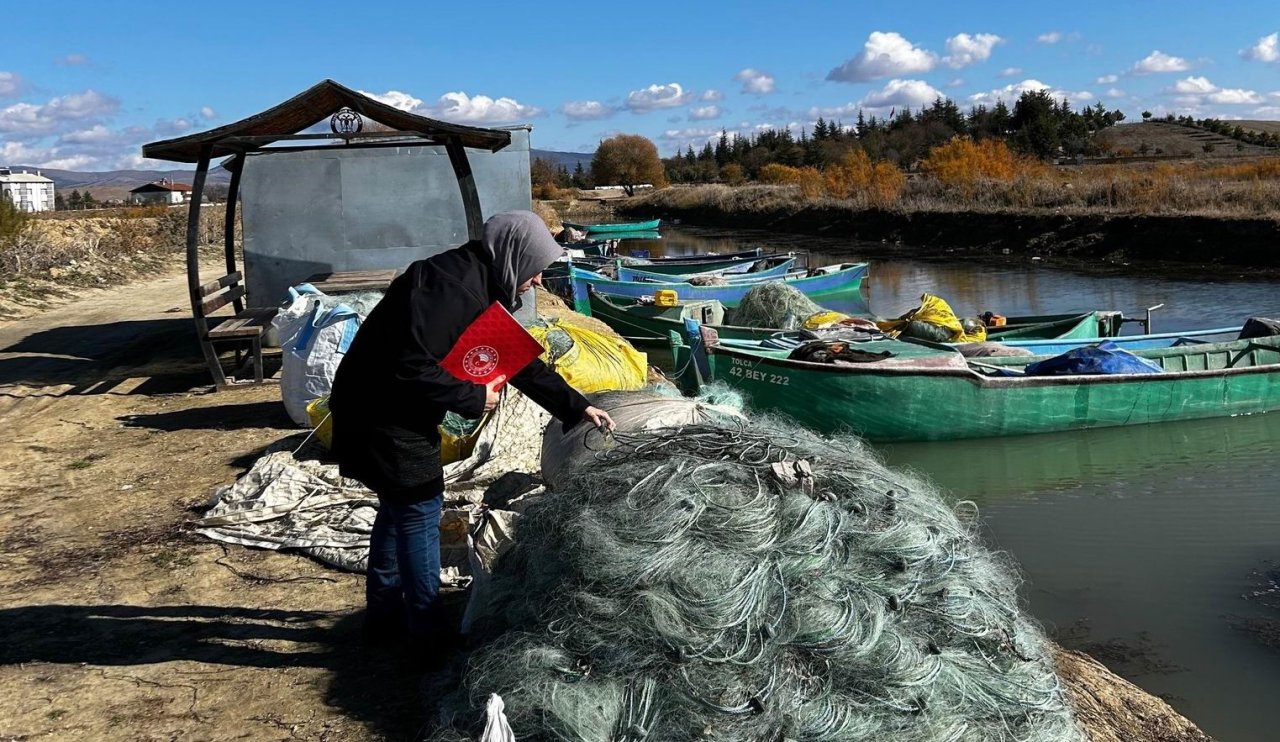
627, 160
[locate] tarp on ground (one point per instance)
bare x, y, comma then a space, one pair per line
284, 502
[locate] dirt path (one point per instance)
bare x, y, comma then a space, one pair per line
117, 623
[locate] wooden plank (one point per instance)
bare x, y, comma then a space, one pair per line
223, 282
249, 323
221, 300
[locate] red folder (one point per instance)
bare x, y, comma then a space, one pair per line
494, 345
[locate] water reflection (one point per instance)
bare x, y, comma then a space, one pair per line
1019, 466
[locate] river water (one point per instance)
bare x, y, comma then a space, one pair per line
1137, 544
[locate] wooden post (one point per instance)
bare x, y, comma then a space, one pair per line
193, 267
467, 185
229, 229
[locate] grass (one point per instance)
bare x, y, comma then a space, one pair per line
1225, 188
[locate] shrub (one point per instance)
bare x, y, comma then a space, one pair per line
856, 176
963, 162
732, 174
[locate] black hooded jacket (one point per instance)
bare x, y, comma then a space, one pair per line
390, 393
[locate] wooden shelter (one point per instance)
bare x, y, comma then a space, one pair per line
277, 129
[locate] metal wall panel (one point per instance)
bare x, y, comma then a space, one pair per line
339, 209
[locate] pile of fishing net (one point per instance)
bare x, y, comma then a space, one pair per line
750, 581
779, 305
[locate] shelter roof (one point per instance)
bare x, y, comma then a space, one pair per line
308, 108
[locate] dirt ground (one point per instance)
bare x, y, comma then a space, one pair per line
117, 623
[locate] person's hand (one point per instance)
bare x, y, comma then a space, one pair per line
599, 418
491, 393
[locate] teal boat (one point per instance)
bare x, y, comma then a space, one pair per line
763, 269
923, 394
840, 279
650, 325
648, 226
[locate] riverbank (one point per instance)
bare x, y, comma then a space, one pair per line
120, 445
1227, 244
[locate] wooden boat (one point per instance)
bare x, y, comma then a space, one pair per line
646, 324
922, 393
650, 325
1097, 324
764, 269
648, 226
843, 278
684, 264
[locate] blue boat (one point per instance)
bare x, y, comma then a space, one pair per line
843, 278
764, 269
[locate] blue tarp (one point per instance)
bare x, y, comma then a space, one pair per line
1104, 358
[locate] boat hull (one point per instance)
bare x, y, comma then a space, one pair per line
923, 404
742, 270
648, 226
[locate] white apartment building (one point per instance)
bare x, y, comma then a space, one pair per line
27, 191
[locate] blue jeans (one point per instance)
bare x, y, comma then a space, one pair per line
402, 588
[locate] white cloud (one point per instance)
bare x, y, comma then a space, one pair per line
97, 134
71, 60
587, 110
396, 99
1267, 112
756, 82
1115, 93
901, 94
1193, 86
1009, 93
1235, 97
711, 96
886, 54
460, 107
173, 127
29, 119
704, 113
1010, 72
1108, 79
964, 50
1158, 61
10, 84
658, 96
481, 109
956, 83
1052, 37
1266, 50
207, 113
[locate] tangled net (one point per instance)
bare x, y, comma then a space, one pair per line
773, 304
754, 582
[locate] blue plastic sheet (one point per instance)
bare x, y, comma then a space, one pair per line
1104, 358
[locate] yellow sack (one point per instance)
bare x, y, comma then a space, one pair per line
935, 311
452, 447
825, 318
594, 362
318, 414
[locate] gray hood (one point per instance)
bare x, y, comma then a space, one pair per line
519, 246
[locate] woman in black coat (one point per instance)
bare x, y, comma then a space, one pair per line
390, 395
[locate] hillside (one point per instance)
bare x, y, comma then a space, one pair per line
116, 184
1173, 139
570, 160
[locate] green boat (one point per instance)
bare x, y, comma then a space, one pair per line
648, 226
1059, 326
922, 394
650, 325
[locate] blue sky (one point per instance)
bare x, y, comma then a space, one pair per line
83, 85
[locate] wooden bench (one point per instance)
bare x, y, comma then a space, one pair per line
244, 328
